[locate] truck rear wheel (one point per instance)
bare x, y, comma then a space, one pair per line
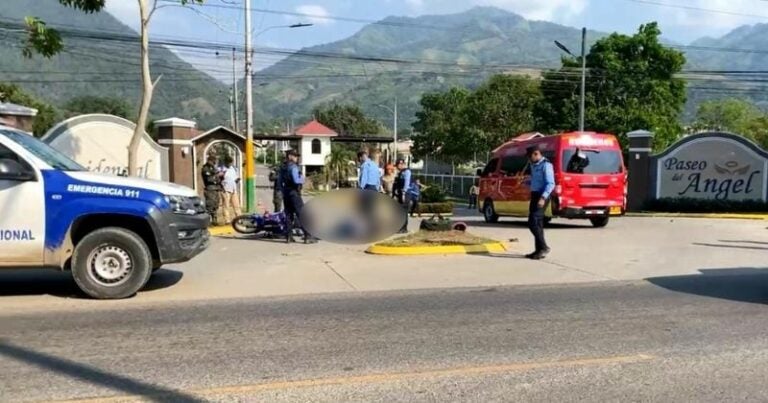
599, 222
111, 263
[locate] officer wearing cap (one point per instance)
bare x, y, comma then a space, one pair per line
542, 185
291, 183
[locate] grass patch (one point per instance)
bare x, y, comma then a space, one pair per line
437, 238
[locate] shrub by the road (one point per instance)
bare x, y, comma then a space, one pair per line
435, 208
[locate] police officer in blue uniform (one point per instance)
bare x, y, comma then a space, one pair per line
542, 185
291, 183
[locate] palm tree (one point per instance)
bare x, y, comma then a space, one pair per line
339, 164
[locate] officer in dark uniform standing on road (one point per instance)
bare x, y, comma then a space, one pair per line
212, 184
291, 183
542, 186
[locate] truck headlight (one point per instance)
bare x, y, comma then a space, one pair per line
185, 205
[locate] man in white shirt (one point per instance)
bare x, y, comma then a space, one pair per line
230, 182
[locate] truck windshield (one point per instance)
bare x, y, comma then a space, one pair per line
43, 151
591, 161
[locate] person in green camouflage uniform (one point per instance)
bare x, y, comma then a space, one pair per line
212, 183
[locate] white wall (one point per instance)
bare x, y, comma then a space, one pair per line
100, 144
309, 159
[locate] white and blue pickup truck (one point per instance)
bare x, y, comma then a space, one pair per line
110, 232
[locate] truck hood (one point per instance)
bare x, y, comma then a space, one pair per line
166, 188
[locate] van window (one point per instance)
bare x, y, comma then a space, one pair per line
590, 161
513, 165
490, 167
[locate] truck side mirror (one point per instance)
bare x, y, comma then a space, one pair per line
13, 171
479, 172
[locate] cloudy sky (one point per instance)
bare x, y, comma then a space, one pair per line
223, 20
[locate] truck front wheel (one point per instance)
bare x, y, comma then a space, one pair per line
111, 263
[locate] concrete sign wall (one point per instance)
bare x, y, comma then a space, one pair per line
717, 166
100, 143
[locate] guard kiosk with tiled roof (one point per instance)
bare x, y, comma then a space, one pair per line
315, 145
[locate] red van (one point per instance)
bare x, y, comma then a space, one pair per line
590, 178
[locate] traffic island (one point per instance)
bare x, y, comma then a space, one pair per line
437, 243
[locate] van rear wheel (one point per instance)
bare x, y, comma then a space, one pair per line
599, 222
489, 212
111, 263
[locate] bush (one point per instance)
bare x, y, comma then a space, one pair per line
688, 205
434, 194
435, 208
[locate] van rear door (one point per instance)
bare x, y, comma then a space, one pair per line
593, 177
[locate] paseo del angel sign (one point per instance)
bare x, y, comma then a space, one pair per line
715, 166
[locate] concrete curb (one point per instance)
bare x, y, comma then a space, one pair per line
732, 216
221, 230
491, 247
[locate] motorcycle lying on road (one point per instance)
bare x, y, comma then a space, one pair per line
269, 225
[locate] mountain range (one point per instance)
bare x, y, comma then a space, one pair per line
397, 58
103, 67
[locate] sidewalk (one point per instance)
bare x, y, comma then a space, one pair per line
628, 249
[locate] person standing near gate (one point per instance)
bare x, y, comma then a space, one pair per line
370, 175
277, 191
212, 185
230, 182
291, 183
542, 185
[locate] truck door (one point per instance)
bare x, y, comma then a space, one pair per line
22, 211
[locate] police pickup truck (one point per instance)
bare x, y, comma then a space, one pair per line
110, 232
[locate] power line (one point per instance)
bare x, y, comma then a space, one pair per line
695, 8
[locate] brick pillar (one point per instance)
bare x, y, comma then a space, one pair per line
177, 134
639, 166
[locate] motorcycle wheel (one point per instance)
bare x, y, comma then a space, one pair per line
245, 224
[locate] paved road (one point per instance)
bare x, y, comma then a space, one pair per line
689, 338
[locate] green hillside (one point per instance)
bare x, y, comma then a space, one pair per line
107, 68
398, 57
379, 63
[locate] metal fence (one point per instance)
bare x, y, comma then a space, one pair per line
455, 185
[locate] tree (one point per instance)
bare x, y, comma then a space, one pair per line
730, 114
87, 104
339, 165
46, 116
442, 128
502, 108
631, 85
735, 116
48, 42
347, 120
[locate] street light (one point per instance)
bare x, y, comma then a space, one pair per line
394, 113
250, 174
583, 73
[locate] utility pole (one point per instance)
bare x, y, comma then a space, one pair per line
583, 73
250, 177
395, 134
583, 77
232, 116
236, 126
